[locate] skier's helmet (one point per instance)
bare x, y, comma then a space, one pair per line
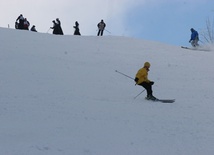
147, 64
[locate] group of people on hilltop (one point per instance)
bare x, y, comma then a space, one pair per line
58, 30
23, 24
101, 27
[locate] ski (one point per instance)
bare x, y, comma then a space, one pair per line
165, 100
185, 47
195, 48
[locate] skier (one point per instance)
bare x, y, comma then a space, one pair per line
194, 38
141, 79
77, 30
101, 26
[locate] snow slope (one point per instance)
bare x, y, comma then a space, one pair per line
60, 95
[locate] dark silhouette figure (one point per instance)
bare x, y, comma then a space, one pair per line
33, 28
77, 30
20, 22
55, 31
26, 24
57, 27
58, 22
101, 27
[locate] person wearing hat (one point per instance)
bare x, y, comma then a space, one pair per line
194, 38
141, 79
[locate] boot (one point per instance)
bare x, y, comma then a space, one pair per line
151, 97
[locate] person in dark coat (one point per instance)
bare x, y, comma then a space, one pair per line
26, 24
33, 28
21, 22
194, 38
101, 27
55, 27
76, 27
60, 32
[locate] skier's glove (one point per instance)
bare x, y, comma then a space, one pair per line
151, 83
136, 80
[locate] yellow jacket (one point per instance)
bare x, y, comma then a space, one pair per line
142, 76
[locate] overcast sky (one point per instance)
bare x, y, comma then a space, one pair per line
167, 21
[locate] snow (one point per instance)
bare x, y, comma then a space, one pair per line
60, 95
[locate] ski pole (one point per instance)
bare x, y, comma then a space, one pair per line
108, 31
132, 79
48, 30
139, 94
124, 74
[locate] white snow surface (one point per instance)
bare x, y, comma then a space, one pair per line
60, 95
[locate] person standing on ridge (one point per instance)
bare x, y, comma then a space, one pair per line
77, 30
55, 27
101, 27
194, 38
20, 23
141, 79
26, 24
58, 22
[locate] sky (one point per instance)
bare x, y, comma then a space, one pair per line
167, 21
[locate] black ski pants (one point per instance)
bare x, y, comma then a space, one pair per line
148, 87
100, 32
